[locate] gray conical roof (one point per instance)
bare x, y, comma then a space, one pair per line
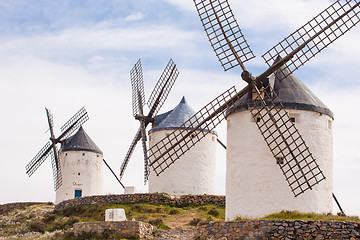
80, 141
292, 92
175, 118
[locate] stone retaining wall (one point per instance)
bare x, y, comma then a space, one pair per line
266, 229
128, 229
152, 198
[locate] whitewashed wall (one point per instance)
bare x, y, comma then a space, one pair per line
255, 185
193, 173
80, 173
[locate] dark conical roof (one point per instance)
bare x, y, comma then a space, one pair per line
80, 141
292, 92
175, 118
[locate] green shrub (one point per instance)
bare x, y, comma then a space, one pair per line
48, 218
156, 221
174, 212
141, 218
203, 208
137, 208
194, 222
37, 226
214, 212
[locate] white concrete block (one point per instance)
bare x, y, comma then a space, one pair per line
130, 190
117, 214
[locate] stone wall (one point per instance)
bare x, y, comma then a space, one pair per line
148, 198
266, 229
128, 229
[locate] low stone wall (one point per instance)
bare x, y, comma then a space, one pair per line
152, 198
128, 229
266, 229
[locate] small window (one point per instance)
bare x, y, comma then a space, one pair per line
97, 155
78, 193
295, 117
193, 135
213, 138
65, 154
83, 154
258, 119
78, 174
329, 124
280, 160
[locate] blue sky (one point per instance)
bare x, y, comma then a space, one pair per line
67, 54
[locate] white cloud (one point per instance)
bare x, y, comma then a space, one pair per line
135, 17
187, 5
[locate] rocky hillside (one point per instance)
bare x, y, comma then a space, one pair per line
42, 221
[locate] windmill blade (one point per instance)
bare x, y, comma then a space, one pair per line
224, 33
162, 88
286, 144
74, 123
137, 84
313, 37
39, 158
170, 148
146, 158
129, 152
50, 122
56, 168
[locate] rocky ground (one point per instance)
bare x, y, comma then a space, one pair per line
41, 221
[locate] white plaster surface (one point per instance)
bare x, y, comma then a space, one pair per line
193, 173
116, 214
255, 185
80, 173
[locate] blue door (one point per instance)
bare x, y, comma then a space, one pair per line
78, 193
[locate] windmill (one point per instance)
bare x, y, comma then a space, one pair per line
155, 102
285, 142
51, 147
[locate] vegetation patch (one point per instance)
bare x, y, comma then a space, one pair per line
295, 215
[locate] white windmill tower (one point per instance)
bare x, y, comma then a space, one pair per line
179, 179
253, 183
77, 167
81, 161
303, 169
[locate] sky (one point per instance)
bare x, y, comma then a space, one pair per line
66, 54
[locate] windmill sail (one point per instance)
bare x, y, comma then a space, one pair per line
224, 33
56, 168
293, 156
39, 159
309, 40
168, 150
137, 84
50, 148
163, 88
155, 102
